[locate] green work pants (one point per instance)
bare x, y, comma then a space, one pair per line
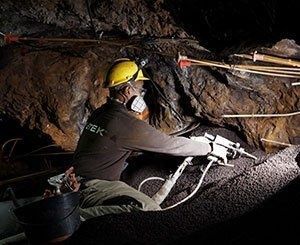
97, 191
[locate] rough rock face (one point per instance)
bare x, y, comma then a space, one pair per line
51, 91
55, 91
241, 93
117, 16
54, 87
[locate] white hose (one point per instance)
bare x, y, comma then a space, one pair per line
263, 115
194, 191
150, 178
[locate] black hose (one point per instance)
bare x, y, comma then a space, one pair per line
141, 64
91, 19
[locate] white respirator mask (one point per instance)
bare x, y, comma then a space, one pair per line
137, 102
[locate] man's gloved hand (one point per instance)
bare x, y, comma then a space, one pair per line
70, 180
218, 153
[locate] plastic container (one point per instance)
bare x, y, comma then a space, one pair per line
50, 220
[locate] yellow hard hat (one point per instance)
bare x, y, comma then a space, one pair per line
123, 71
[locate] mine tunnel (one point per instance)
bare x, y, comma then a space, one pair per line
149, 122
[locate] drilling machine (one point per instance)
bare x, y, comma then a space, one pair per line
230, 149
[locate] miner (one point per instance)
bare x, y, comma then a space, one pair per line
111, 134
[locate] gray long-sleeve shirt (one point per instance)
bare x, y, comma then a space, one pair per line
112, 133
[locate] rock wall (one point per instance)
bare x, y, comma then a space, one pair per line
53, 87
55, 92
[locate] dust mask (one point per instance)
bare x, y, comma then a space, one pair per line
137, 104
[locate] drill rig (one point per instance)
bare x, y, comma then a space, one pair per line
229, 149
